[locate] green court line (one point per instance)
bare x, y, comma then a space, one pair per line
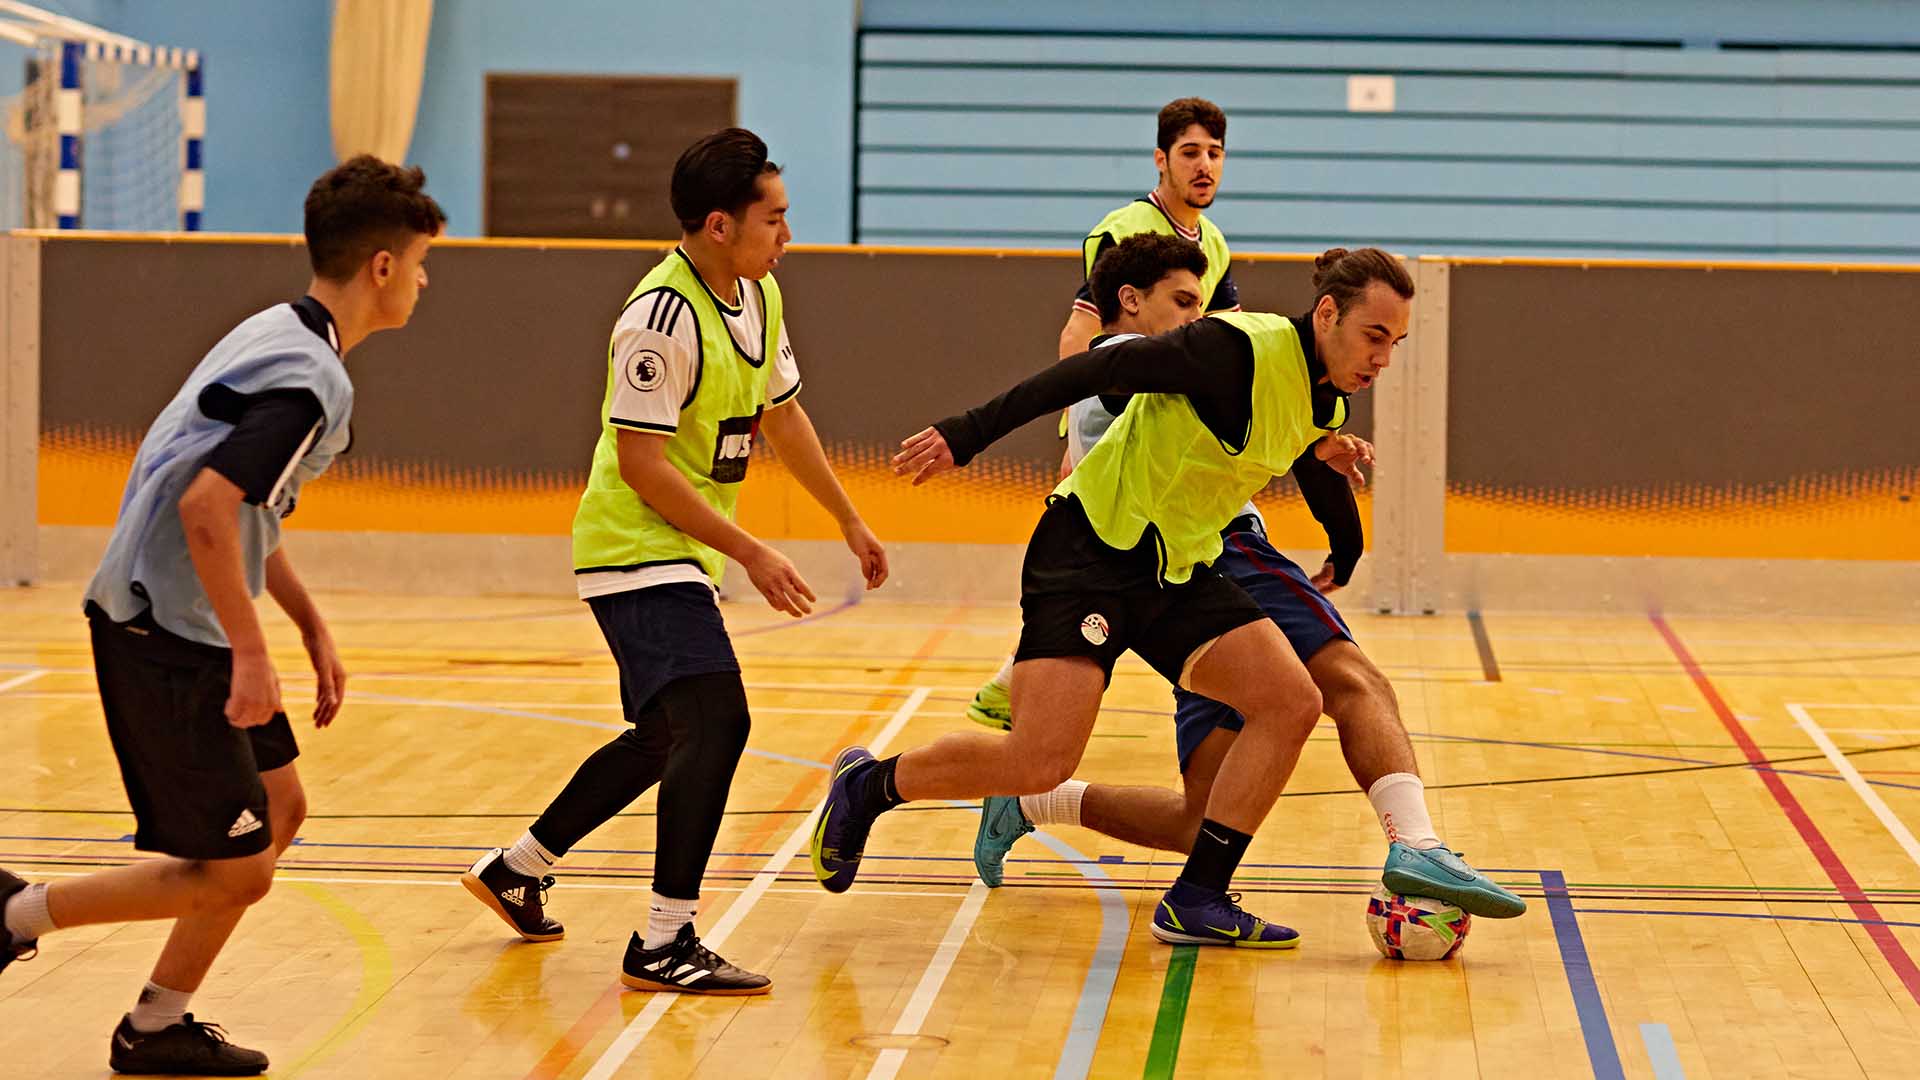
1164, 1050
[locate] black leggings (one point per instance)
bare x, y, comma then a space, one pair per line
688, 739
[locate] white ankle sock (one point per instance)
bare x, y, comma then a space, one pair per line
1401, 801
1004, 677
1061, 806
158, 1008
665, 917
526, 856
26, 915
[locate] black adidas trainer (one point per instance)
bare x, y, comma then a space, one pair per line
685, 966
515, 897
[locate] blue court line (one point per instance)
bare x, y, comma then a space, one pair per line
1661, 1052
1096, 990
1587, 1003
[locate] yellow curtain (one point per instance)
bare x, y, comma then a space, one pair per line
379, 57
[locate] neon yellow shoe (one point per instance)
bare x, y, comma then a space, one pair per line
992, 707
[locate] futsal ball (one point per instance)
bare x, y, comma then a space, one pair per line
1415, 927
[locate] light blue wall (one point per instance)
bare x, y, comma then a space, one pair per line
267, 87
266, 102
1857, 22
266, 82
794, 60
1619, 136
268, 73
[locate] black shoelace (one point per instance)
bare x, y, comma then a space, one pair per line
702, 956
212, 1033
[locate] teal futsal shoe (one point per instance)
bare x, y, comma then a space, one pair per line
1444, 875
992, 706
1002, 823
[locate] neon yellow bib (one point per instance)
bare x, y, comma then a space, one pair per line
614, 529
1159, 466
1142, 216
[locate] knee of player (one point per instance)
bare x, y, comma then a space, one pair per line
288, 817
238, 882
1039, 773
1295, 705
1358, 686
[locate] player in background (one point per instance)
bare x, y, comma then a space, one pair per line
1190, 158
698, 368
1354, 692
192, 701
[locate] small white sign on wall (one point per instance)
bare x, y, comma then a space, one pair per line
1369, 93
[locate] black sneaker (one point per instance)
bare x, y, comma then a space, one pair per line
688, 967
188, 1048
10, 949
515, 897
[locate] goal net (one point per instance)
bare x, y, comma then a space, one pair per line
102, 131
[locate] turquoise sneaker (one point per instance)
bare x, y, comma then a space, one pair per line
1002, 823
991, 706
1444, 875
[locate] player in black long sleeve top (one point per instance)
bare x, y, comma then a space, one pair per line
1355, 693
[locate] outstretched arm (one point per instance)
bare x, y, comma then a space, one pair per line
1209, 361
791, 433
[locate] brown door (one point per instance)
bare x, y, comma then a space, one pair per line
590, 155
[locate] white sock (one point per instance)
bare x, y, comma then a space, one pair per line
26, 916
1061, 806
1004, 677
158, 1008
665, 917
526, 856
1401, 801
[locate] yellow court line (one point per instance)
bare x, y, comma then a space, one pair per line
376, 974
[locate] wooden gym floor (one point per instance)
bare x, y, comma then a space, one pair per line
1710, 818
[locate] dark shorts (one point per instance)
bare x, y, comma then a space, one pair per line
1080, 597
662, 633
193, 779
1283, 592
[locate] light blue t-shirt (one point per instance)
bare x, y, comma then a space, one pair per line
1087, 420
147, 564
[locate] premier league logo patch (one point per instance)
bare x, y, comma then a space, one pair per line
1094, 628
647, 370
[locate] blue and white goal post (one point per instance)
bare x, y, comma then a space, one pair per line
121, 181
107, 132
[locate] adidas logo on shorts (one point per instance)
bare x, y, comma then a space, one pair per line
244, 824
1094, 628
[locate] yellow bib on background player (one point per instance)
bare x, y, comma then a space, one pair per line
614, 529
1146, 216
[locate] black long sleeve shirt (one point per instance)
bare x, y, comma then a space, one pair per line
1211, 363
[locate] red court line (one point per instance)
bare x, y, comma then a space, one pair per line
1816, 842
